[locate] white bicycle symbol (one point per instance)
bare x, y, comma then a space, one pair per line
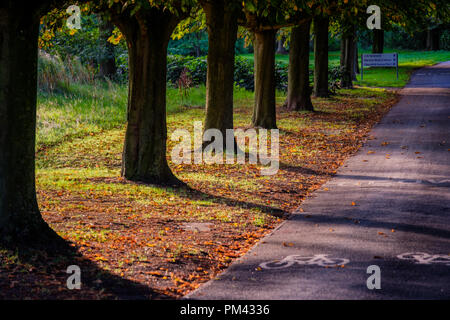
425, 258
318, 259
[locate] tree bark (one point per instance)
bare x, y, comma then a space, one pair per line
355, 57
107, 62
264, 112
20, 219
347, 58
280, 46
378, 41
321, 56
147, 34
299, 91
221, 20
433, 37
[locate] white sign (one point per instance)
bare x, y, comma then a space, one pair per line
379, 60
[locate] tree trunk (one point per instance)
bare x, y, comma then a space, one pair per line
144, 156
222, 35
433, 38
264, 112
355, 57
378, 41
321, 56
280, 46
20, 219
347, 59
107, 62
299, 91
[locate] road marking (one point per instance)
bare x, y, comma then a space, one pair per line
318, 259
426, 258
430, 182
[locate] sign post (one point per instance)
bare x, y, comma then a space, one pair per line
379, 60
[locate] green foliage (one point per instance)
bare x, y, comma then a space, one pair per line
197, 68
83, 43
445, 40
56, 74
281, 76
335, 74
192, 44
85, 46
243, 73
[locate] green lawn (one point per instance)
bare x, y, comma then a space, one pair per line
383, 77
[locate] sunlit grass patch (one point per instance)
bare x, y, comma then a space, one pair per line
88, 234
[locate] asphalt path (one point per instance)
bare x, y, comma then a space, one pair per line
388, 206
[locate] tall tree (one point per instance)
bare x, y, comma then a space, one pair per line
222, 23
264, 113
347, 57
107, 61
280, 45
299, 90
378, 41
264, 19
20, 219
321, 56
433, 38
147, 29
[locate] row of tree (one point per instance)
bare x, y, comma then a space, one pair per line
147, 27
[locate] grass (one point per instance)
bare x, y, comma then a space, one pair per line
83, 110
79, 111
382, 77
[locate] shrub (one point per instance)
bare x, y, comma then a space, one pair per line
445, 40
54, 74
197, 69
334, 78
281, 76
243, 73
51, 72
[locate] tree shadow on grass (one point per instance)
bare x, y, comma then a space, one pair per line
38, 272
194, 194
302, 170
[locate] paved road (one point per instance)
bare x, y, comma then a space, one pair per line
391, 198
